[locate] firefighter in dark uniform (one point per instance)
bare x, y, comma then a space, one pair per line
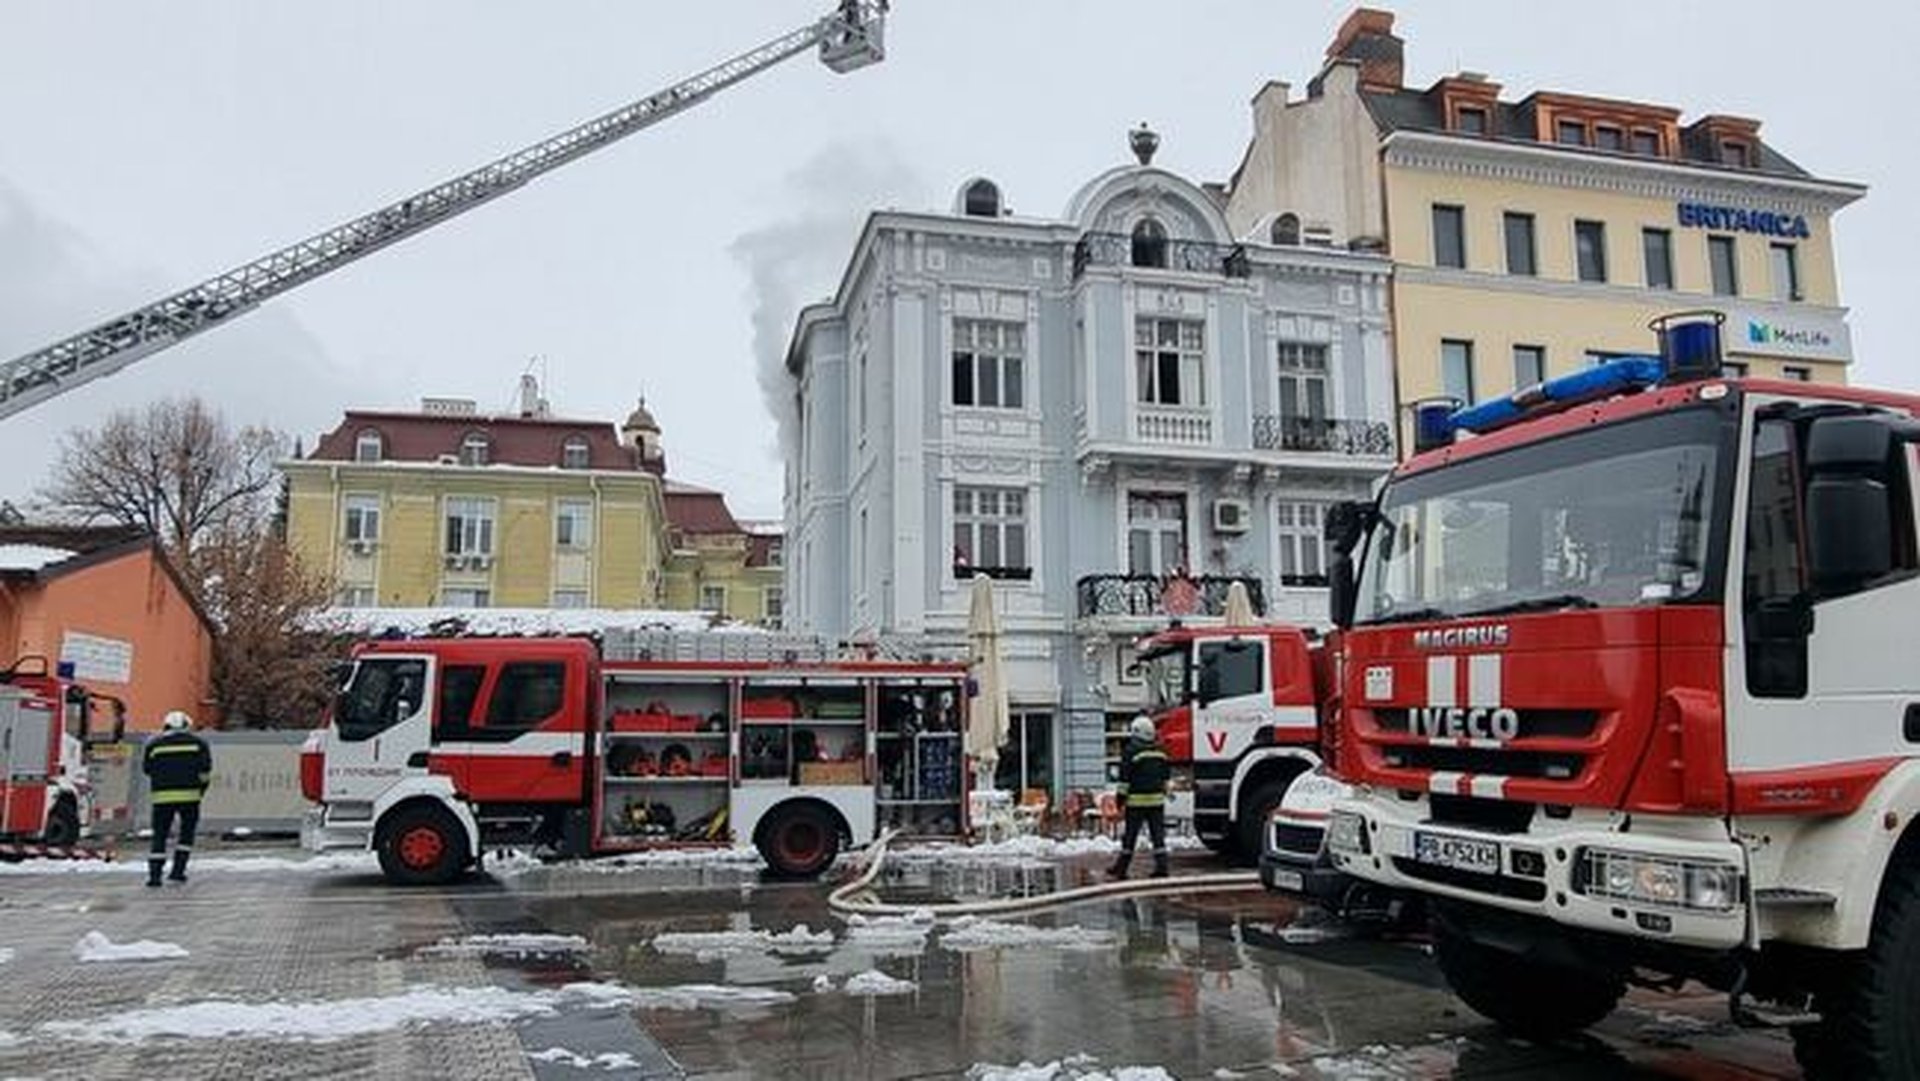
178, 765
1143, 788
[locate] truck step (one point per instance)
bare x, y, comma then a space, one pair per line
1793, 897
12, 852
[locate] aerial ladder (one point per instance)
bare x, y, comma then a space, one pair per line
849, 38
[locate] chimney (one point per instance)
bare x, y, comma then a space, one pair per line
1367, 37
529, 396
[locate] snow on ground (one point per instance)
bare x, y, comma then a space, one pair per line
874, 982
511, 945
6, 954
512, 863
134, 863
1375, 1062
96, 947
970, 933
1025, 849
695, 996
606, 1060
889, 935
711, 945
1074, 1068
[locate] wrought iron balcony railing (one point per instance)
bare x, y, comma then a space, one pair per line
1325, 436
1157, 595
1192, 256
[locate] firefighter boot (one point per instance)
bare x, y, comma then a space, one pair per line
179, 873
155, 864
1119, 869
1160, 863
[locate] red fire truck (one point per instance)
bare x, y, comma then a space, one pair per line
440, 748
1629, 696
48, 726
1237, 707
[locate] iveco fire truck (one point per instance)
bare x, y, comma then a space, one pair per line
440, 748
48, 725
1630, 694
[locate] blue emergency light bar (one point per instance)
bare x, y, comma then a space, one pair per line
1689, 350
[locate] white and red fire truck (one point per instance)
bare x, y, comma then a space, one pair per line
440, 748
1237, 707
1630, 694
48, 727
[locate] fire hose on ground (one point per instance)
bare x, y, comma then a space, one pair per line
855, 898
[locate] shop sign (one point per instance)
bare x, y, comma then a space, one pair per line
1741, 220
96, 659
1788, 334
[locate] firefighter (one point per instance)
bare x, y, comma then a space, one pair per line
178, 765
1143, 789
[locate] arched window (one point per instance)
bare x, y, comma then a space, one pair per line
1286, 229
982, 200
368, 446
574, 453
1149, 243
475, 449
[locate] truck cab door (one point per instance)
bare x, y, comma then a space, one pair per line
527, 743
381, 723
1232, 699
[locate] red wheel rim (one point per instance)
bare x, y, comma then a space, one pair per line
421, 847
802, 843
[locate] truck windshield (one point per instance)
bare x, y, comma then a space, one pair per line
382, 693
1166, 678
1621, 515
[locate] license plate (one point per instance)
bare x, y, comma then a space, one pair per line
1288, 880
1459, 853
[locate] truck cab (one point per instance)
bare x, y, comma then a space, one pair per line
49, 726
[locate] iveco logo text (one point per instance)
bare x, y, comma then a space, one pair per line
1501, 723
1492, 634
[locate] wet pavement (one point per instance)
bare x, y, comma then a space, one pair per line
687, 980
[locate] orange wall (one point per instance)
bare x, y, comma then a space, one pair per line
131, 599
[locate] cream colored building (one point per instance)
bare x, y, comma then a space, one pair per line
1532, 237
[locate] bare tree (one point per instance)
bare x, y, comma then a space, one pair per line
175, 469
271, 663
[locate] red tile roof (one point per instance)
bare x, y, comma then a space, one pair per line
522, 441
695, 510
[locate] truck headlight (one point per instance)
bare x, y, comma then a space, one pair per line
1347, 833
1712, 887
1652, 880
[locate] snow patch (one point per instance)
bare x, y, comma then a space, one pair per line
96, 947
1375, 1062
606, 1060
695, 996
364, 862
6, 954
891, 934
1074, 1068
31, 557
511, 945
511, 864
971, 933
875, 982
515, 622
822, 984
709, 945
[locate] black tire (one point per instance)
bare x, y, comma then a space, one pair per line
1869, 1004
799, 842
1221, 844
63, 826
1520, 994
1250, 824
422, 846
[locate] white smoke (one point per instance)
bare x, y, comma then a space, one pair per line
798, 259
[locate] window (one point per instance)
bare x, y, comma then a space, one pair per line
1570, 132
573, 524
1529, 365
1456, 370
1449, 236
368, 446
1590, 250
1156, 532
1721, 259
355, 597
1471, 120
1774, 571
382, 694
772, 606
1734, 369
776, 552
1647, 142
462, 597
469, 526
713, 598
459, 693
1656, 245
1796, 372
1786, 271
526, 694
1026, 758
475, 449
1733, 152
1519, 230
982, 200
990, 531
989, 363
1303, 382
1170, 357
362, 524
1301, 528
1149, 244
860, 391
1286, 230
570, 598
1232, 669
575, 453
1608, 138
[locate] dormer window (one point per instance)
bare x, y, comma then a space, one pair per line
475, 449
1733, 152
1286, 230
982, 200
1570, 133
1149, 244
1470, 120
368, 446
1607, 137
1647, 142
574, 453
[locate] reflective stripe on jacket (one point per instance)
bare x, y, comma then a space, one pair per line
179, 766
1144, 770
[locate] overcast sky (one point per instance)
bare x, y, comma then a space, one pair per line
145, 146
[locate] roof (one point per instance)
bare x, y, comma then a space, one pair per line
521, 441
698, 510
31, 557
42, 553
507, 621
763, 527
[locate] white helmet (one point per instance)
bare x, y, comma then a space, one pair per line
177, 721
1142, 728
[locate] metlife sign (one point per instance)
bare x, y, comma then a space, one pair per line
1733, 219
1780, 332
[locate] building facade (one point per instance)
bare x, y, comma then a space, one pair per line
1532, 237
1113, 414
718, 563
446, 507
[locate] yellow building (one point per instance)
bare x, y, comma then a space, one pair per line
447, 507
718, 563
1536, 236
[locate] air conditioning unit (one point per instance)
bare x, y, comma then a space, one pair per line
360, 546
449, 459
480, 562
1230, 515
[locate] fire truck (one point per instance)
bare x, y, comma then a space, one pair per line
48, 726
1237, 708
441, 748
1625, 697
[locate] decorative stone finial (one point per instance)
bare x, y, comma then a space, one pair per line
1144, 141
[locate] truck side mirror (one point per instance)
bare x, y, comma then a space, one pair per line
1849, 512
1341, 590
1347, 522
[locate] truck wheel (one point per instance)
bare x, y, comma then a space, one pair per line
422, 846
1520, 994
63, 826
799, 842
1250, 825
1867, 1010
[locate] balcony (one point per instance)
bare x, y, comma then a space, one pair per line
1321, 436
1180, 425
1153, 596
1191, 256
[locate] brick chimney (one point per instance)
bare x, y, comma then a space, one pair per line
1367, 37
